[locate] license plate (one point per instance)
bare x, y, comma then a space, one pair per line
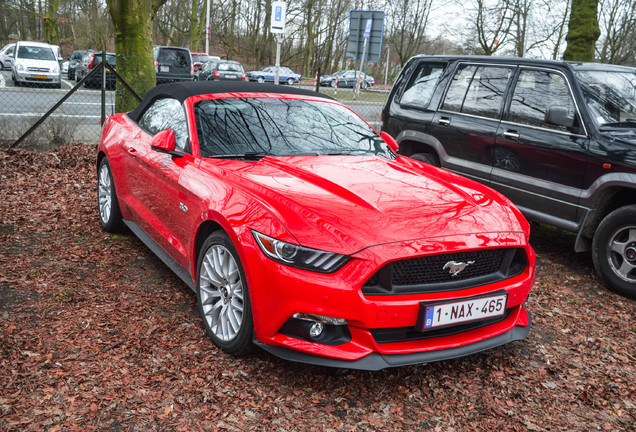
444, 314
164, 68
40, 76
231, 76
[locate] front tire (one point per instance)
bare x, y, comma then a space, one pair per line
614, 251
223, 296
260, 80
107, 204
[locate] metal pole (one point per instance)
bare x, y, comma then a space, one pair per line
364, 54
386, 71
207, 27
279, 41
103, 116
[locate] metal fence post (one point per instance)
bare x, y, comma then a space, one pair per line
103, 116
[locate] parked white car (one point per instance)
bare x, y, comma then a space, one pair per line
35, 62
6, 56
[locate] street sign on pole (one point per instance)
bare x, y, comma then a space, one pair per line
365, 26
278, 27
278, 17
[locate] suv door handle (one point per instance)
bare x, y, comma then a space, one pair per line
511, 134
444, 121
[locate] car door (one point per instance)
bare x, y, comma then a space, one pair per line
159, 200
538, 164
466, 123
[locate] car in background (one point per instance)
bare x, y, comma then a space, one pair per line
6, 56
557, 138
348, 79
89, 61
285, 75
35, 63
301, 231
173, 64
221, 70
198, 59
74, 60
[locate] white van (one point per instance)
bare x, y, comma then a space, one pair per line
6, 56
35, 62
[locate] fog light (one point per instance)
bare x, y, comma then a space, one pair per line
316, 329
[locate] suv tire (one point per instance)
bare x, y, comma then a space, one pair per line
614, 250
428, 158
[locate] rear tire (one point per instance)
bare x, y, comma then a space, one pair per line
290, 81
614, 251
428, 158
223, 296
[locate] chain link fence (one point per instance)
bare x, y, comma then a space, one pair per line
36, 115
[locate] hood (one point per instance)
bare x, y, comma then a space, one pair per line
347, 203
626, 135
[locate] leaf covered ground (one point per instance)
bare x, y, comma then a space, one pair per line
96, 334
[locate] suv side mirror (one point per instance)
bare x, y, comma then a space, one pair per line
164, 142
390, 141
560, 116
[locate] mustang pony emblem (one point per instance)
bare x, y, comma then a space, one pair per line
455, 268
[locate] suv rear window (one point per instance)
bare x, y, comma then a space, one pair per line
176, 57
234, 67
420, 88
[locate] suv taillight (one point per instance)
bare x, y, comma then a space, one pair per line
243, 77
216, 73
193, 71
156, 66
90, 63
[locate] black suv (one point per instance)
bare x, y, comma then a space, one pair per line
557, 138
173, 64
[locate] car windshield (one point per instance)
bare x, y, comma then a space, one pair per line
233, 67
35, 53
199, 58
609, 95
283, 127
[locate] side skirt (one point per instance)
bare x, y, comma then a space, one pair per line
183, 274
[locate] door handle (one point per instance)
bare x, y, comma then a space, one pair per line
444, 121
511, 134
131, 150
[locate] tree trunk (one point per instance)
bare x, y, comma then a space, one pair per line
48, 22
132, 22
583, 31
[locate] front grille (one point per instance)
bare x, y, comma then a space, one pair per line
37, 69
435, 273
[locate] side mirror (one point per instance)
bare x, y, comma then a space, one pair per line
390, 141
560, 116
164, 142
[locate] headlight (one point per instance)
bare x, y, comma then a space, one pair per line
55, 69
299, 256
19, 67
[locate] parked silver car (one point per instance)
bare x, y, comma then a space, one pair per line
35, 63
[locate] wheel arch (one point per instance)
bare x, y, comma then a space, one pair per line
412, 142
608, 199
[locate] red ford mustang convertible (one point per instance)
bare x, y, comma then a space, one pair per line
302, 231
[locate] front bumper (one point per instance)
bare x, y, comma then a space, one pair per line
377, 361
37, 77
278, 292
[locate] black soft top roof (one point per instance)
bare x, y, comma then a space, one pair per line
183, 90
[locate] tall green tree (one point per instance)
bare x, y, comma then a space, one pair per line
583, 31
132, 23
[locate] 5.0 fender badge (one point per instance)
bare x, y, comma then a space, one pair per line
183, 207
455, 268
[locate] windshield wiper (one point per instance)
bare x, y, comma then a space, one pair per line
621, 124
253, 155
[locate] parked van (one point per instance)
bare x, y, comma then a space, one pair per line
35, 62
